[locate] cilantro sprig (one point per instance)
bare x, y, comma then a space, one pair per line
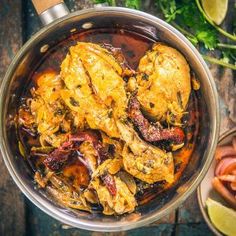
222, 31
189, 18
195, 27
135, 4
109, 2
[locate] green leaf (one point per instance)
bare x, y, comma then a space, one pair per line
208, 38
193, 40
100, 1
226, 57
135, 4
169, 9
186, 15
109, 2
229, 55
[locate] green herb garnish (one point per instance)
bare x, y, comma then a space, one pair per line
189, 18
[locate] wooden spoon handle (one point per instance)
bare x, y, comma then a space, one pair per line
43, 5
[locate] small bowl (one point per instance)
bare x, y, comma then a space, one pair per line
206, 189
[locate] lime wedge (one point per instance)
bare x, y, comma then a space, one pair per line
223, 218
215, 9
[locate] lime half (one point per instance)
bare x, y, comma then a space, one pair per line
215, 9
223, 218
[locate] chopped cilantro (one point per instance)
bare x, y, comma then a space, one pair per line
136, 4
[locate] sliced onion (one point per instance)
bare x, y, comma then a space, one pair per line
230, 168
234, 143
225, 166
224, 151
228, 178
233, 186
224, 192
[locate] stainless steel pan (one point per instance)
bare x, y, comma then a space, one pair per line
58, 25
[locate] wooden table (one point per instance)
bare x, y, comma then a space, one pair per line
18, 216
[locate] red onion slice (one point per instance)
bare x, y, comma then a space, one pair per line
224, 151
230, 168
224, 192
234, 143
225, 166
228, 178
233, 186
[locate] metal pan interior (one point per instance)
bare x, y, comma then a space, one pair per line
108, 18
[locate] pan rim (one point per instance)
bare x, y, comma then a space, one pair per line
86, 224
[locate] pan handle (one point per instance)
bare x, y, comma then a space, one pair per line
50, 10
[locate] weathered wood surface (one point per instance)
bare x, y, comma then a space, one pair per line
12, 211
16, 214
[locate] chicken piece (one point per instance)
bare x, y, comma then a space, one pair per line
95, 88
104, 74
144, 161
48, 84
164, 83
122, 202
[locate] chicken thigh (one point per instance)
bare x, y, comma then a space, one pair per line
164, 83
95, 89
145, 161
